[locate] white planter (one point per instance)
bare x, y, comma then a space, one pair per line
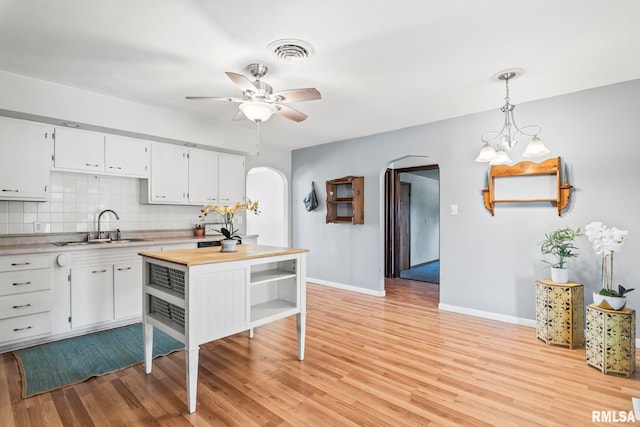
228, 245
559, 275
598, 299
609, 303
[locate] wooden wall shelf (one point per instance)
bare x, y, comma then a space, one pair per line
345, 200
548, 167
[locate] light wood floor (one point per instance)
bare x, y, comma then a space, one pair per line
369, 361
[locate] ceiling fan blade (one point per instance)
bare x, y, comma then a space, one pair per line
242, 81
214, 98
290, 113
298, 95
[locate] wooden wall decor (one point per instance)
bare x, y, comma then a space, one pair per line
345, 200
547, 167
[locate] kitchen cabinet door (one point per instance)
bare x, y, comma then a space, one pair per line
25, 155
231, 188
91, 295
203, 177
169, 175
78, 150
127, 289
126, 156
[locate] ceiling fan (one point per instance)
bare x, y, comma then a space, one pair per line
258, 102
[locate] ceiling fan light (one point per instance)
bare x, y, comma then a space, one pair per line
535, 148
257, 111
501, 158
487, 153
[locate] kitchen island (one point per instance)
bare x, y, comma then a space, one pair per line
200, 295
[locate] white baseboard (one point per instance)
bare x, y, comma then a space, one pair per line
495, 316
488, 315
347, 287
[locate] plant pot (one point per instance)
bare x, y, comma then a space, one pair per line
559, 275
198, 233
228, 245
609, 303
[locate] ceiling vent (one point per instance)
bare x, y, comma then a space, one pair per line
291, 50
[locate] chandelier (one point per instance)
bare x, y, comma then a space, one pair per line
497, 145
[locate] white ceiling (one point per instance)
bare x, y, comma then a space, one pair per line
379, 64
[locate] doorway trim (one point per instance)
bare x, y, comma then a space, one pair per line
392, 212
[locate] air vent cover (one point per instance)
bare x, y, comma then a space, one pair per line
291, 50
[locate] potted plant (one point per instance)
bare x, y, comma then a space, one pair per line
560, 245
229, 231
606, 241
198, 231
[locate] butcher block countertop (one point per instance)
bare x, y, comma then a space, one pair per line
211, 255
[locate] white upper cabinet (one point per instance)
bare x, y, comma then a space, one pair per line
169, 176
85, 151
25, 155
181, 176
78, 150
126, 156
231, 187
203, 177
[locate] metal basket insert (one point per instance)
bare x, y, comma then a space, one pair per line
166, 277
166, 310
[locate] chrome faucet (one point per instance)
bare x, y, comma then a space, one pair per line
100, 218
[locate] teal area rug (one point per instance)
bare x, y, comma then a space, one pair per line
428, 272
59, 364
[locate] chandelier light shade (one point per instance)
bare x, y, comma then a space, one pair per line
498, 144
257, 111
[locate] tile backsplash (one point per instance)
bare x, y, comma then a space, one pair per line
77, 199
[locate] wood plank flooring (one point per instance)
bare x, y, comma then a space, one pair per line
370, 361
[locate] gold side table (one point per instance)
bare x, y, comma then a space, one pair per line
560, 313
611, 340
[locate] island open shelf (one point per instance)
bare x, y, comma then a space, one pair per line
200, 295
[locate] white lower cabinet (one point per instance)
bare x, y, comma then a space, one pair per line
127, 289
91, 295
25, 297
106, 288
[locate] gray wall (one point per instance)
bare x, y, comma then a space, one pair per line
488, 263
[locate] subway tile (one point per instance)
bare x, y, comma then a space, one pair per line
16, 207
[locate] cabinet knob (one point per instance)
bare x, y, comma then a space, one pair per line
62, 260
124, 268
10, 191
99, 271
92, 165
21, 329
19, 307
17, 264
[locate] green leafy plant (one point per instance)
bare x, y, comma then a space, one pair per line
613, 293
560, 245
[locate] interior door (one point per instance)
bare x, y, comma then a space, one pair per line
404, 225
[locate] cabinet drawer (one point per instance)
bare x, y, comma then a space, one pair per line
17, 282
25, 304
25, 262
22, 327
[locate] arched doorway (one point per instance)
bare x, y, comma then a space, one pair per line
411, 231
269, 187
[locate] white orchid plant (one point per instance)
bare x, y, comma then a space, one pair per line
227, 213
606, 241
